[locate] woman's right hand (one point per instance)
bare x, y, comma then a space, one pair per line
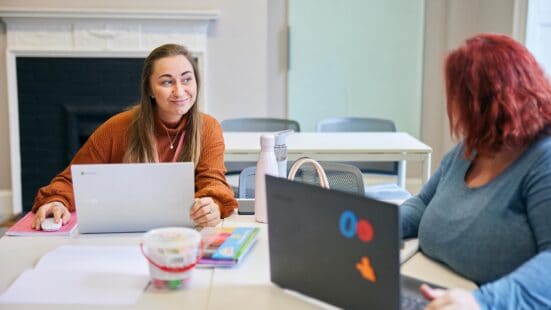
455, 298
56, 209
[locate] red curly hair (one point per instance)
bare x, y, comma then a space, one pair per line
497, 95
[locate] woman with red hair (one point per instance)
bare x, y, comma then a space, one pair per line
485, 212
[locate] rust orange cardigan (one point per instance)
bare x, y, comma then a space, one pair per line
108, 145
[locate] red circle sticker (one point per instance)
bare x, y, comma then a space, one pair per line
364, 230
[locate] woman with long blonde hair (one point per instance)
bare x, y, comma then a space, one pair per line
165, 126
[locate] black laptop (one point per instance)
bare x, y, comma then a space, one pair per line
337, 247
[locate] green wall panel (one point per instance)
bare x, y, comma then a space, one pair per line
356, 58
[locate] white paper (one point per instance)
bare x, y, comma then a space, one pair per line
115, 259
106, 275
76, 287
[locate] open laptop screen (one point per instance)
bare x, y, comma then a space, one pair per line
132, 197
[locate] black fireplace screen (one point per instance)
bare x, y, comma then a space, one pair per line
61, 102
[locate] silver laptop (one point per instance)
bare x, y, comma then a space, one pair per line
132, 197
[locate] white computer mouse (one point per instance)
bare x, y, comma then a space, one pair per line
48, 224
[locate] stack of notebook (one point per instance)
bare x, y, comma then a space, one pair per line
227, 246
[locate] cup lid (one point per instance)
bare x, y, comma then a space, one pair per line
172, 237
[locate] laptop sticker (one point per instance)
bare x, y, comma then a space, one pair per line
364, 230
350, 225
366, 270
347, 224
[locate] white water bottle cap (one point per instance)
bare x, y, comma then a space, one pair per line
280, 140
267, 141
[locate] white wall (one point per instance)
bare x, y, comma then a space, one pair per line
538, 34
246, 65
5, 167
447, 24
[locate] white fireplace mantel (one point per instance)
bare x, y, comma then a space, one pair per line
94, 33
109, 14
103, 32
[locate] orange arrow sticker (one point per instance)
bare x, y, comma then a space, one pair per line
366, 270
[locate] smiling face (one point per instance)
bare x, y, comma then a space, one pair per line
174, 87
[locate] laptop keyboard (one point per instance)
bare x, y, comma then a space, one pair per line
412, 302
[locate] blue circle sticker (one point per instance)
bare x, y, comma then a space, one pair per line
347, 224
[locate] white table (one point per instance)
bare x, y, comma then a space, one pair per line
338, 146
252, 278
20, 253
246, 286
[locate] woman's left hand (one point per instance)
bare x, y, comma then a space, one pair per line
205, 212
449, 299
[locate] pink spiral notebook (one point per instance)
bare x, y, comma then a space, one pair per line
23, 227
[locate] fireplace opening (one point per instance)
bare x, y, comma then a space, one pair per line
61, 102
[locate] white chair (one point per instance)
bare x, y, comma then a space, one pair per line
354, 124
368, 124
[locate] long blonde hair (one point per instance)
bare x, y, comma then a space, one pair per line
142, 146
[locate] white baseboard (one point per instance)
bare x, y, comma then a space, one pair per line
5, 203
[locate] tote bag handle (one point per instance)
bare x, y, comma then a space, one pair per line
319, 170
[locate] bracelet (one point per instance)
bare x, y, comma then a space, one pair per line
57, 204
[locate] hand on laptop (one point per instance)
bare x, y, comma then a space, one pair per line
56, 209
448, 299
205, 212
